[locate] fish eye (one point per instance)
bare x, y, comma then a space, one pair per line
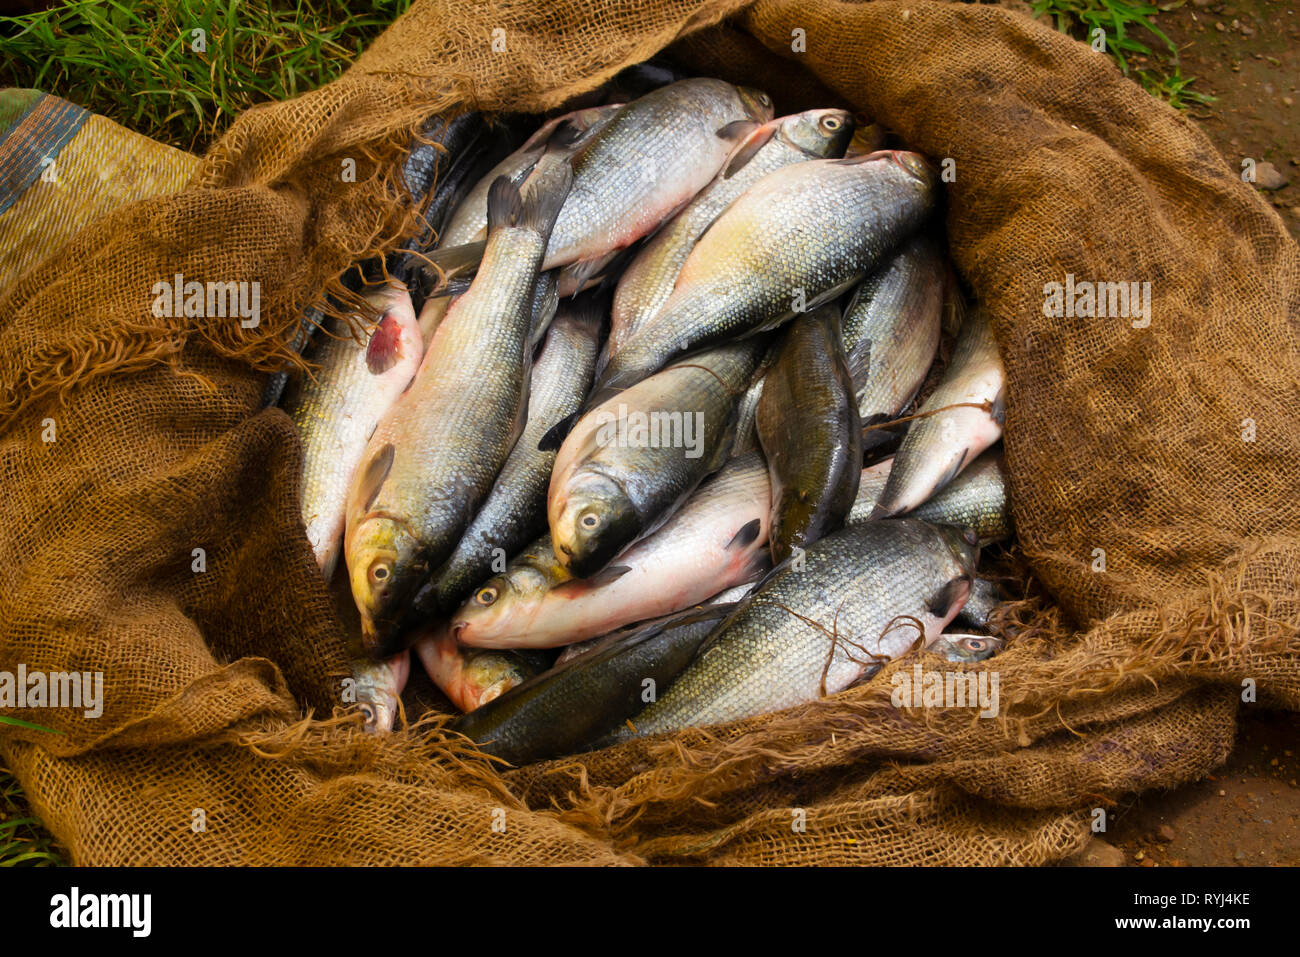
590, 520
764, 99
380, 570
831, 123
486, 596
975, 644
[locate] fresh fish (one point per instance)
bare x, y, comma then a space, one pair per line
938, 446
514, 513
965, 649
337, 408
891, 332
649, 280
977, 499
432, 460
716, 540
858, 598
808, 427
728, 596
650, 159
379, 686
466, 227
797, 238
470, 678
469, 221
631, 461
567, 709
985, 596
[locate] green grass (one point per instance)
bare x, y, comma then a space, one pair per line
1124, 23
134, 62
23, 842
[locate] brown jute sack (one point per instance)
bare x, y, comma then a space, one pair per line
1174, 449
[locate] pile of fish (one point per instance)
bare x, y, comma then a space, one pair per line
682, 419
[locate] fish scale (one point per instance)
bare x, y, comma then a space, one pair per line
814, 227
853, 584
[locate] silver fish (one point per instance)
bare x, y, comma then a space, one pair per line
961, 418
648, 281
797, 238
858, 598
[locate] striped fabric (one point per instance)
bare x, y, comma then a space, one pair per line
61, 167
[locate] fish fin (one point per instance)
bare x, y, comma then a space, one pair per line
953, 471
949, 594
546, 312
452, 288
737, 130
565, 136
452, 260
747, 535
555, 435
505, 204
372, 479
749, 149
585, 269
542, 204
385, 346
999, 412
608, 574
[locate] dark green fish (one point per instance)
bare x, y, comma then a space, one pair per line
808, 427
569, 708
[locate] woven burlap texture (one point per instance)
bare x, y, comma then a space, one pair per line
1173, 449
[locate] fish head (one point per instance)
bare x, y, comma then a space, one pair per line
384, 570
502, 607
489, 675
963, 649
819, 132
594, 523
378, 688
918, 172
757, 103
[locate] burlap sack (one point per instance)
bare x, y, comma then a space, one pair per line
1174, 448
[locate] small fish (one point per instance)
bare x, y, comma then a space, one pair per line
471, 678
891, 333
630, 462
808, 427
337, 408
976, 499
379, 686
859, 597
648, 281
654, 155
960, 419
575, 704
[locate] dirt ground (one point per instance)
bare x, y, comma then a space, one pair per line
1247, 54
